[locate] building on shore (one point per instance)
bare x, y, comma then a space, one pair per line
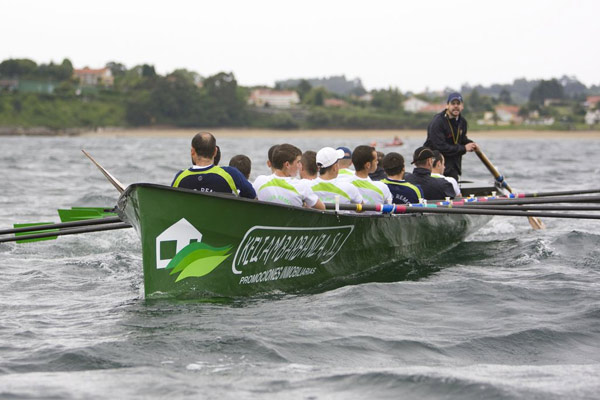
273, 98
94, 77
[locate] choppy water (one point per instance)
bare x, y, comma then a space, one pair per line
510, 313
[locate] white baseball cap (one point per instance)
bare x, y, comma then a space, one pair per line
328, 156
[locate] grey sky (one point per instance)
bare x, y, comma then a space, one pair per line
406, 44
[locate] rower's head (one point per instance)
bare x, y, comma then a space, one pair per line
439, 163
308, 165
204, 147
286, 158
328, 162
393, 165
270, 156
364, 158
347, 160
454, 105
242, 163
423, 158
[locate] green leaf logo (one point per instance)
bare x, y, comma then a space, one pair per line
197, 259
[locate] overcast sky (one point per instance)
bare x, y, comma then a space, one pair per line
411, 45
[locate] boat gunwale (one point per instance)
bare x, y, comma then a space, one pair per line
226, 196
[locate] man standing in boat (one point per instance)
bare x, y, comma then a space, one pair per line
205, 176
447, 133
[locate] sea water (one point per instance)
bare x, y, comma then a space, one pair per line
510, 313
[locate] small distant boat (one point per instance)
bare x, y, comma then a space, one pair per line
198, 245
395, 143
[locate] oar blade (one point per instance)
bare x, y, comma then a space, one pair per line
83, 213
27, 225
536, 223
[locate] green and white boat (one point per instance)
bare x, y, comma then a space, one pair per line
198, 244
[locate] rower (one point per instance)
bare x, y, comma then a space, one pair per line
364, 159
207, 177
379, 173
403, 192
326, 186
308, 165
242, 163
432, 188
282, 186
345, 163
270, 156
437, 171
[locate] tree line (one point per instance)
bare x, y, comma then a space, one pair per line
142, 97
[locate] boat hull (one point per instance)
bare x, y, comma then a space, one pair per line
211, 245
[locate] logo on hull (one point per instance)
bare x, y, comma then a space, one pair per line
179, 248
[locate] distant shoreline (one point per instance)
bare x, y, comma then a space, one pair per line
165, 132
403, 134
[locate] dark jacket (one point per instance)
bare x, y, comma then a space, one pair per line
403, 192
378, 175
432, 188
215, 179
449, 136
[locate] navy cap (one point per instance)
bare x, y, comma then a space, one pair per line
422, 153
455, 96
347, 152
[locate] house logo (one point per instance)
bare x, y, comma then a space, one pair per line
174, 239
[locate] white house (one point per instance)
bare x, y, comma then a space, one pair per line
414, 105
182, 233
93, 77
592, 117
273, 98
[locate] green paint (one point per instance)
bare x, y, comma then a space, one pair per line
261, 239
279, 183
359, 183
199, 258
214, 170
330, 187
83, 213
201, 267
34, 232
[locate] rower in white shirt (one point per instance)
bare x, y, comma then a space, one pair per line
282, 186
364, 159
327, 186
345, 164
437, 171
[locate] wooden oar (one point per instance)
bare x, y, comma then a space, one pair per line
535, 223
73, 231
514, 201
524, 207
435, 209
115, 182
560, 193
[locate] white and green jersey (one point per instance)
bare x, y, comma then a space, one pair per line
451, 180
284, 190
345, 174
328, 189
373, 192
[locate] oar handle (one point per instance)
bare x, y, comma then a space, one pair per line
492, 169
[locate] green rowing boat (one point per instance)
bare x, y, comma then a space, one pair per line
198, 245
